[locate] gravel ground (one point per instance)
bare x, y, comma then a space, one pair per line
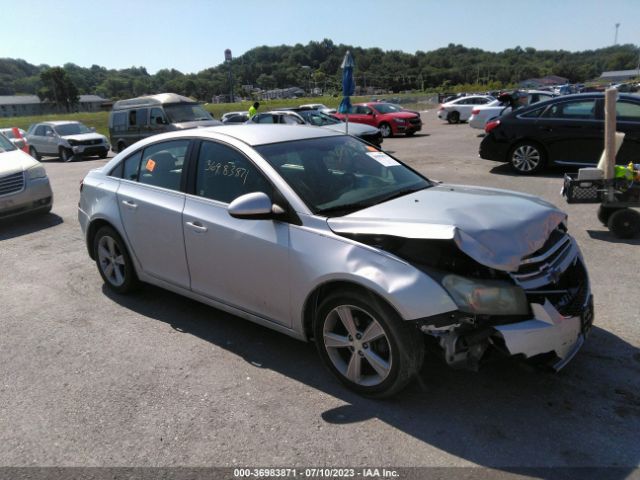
89, 378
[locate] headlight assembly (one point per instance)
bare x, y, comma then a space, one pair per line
399, 120
486, 297
36, 172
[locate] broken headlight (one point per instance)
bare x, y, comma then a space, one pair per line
486, 297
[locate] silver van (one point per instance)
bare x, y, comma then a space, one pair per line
137, 118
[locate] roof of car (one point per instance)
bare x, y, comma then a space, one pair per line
150, 100
56, 123
261, 134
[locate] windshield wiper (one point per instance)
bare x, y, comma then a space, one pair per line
352, 207
401, 193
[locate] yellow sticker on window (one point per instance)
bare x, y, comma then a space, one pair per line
151, 164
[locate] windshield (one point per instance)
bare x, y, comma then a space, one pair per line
186, 112
319, 119
5, 144
71, 129
8, 133
338, 175
386, 108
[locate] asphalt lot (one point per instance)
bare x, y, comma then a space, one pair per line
89, 378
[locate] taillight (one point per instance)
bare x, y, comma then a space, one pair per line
441, 107
475, 111
491, 125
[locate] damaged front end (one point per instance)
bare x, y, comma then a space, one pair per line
540, 309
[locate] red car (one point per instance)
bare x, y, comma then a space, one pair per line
389, 118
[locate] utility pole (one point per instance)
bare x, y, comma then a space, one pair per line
615, 38
227, 60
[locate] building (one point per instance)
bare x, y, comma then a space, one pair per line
617, 76
28, 105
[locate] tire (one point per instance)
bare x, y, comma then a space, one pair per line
379, 367
66, 155
527, 158
410, 134
453, 117
113, 261
34, 153
103, 155
385, 130
604, 213
121, 146
624, 223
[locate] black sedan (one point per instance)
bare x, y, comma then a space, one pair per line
566, 130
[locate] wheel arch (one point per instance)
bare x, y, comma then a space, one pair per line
95, 225
325, 289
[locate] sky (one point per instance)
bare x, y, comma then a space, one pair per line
191, 35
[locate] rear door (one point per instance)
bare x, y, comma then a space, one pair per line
150, 201
242, 263
628, 122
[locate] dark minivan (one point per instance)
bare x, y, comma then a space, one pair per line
137, 118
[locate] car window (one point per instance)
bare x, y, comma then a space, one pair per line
577, 110
156, 117
162, 164
265, 118
47, 130
131, 167
119, 121
533, 113
5, 144
627, 111
340, 174
72, 129
39, 131
224, 174
291, 120
141, 116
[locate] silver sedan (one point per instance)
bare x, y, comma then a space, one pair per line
326, 238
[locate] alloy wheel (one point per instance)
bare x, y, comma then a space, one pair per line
357, 345
111, 261
526, 158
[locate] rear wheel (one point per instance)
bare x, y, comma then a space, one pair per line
624, 223
121, 146
113, 261
385, 129
453, 117
366, 344
34, 153
527, 158
604, 213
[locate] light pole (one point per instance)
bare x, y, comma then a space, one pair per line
227, 60
615, 38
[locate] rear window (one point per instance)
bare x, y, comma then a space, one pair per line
119, 121
579, 110
628, 111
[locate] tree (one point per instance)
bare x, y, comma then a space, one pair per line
58, 88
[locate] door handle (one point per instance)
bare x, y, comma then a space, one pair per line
197, 226
546, 129
130, 204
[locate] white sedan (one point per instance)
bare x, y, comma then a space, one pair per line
459, 110
482, 114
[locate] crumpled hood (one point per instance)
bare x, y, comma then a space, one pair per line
354, 128
15, 161
83, 137
497, 228
196, 124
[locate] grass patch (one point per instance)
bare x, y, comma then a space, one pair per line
100, 120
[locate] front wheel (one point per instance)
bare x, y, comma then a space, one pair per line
34, 153
366, 344
113, 261
385, 130
65, 154
527, 158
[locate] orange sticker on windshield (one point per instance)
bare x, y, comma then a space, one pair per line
150, 165
371, 149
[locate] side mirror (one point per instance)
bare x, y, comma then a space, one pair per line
50, 133
93, 129
160, 121
253, 206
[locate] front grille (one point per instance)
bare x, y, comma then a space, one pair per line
11, 183
415, 122
555, 273
90, 142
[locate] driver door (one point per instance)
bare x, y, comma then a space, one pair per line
242, 263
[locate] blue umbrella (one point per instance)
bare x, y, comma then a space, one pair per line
348, 85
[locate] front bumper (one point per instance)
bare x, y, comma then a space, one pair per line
408, 127
88, 150
35, 196
548, 333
